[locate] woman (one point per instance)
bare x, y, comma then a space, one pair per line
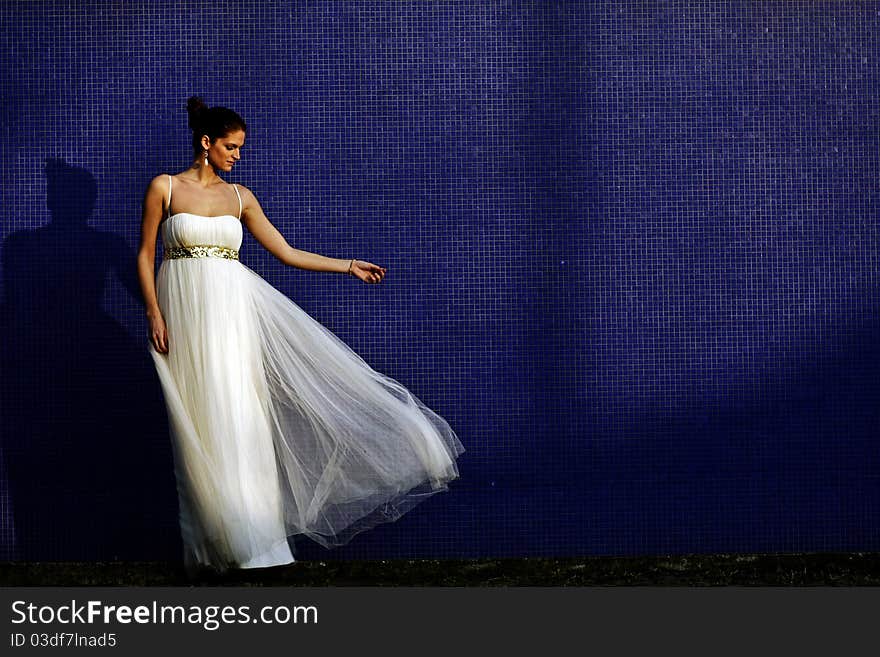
278, 428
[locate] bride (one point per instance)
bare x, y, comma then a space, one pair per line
278, 428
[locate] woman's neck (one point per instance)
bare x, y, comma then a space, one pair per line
203, 174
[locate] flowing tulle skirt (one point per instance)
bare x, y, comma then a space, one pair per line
278, 427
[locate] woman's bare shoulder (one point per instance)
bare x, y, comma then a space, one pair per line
158, 183
247, 196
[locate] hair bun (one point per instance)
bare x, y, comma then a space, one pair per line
195, 107
215, 122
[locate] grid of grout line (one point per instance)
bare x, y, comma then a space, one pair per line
607, 227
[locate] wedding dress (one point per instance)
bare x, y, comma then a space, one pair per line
278, 428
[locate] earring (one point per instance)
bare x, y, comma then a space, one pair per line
206, 158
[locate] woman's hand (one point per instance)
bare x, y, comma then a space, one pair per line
368, 272
158, 333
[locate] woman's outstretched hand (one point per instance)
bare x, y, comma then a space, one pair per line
158, 333
368, 272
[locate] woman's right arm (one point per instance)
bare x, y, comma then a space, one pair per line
151, 217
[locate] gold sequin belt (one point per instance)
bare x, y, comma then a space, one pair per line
201, 251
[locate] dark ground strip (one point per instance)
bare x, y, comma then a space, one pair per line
850, 569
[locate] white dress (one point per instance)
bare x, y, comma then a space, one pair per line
278, 428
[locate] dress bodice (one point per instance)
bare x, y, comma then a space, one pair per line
187, 229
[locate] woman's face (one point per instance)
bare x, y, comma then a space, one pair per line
226, 151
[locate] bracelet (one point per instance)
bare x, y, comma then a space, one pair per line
350, 265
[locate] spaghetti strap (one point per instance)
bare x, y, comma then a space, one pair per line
235, 187
169, 195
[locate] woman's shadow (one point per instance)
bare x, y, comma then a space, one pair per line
85, 441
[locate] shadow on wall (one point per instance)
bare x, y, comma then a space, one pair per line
85, 441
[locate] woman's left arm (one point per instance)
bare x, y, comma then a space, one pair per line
273, 241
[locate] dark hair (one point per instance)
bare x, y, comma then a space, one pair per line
215, 122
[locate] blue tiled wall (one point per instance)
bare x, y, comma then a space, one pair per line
632, 255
